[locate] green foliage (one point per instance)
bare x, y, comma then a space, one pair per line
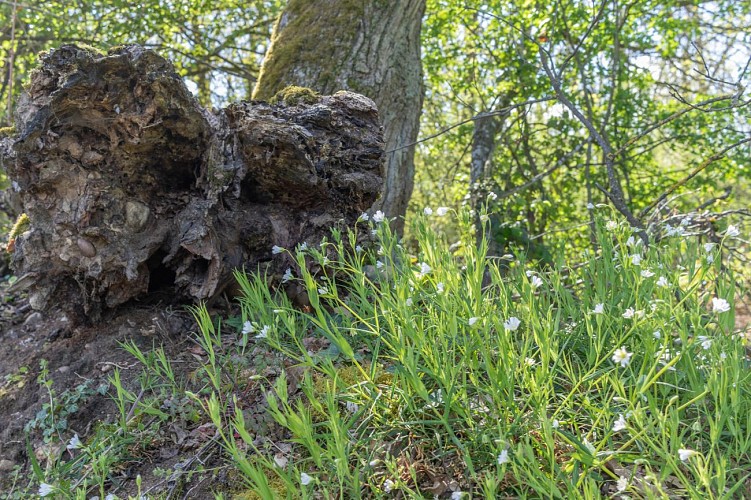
217, 46
503, 383
52, 418
625, 67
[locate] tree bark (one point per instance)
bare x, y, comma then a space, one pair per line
131, 187
367, 46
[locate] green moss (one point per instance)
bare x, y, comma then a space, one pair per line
294, 95
7, 131
92, 49
21, 225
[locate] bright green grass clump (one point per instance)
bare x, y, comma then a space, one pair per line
477, 375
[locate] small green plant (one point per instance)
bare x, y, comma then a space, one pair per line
52, 418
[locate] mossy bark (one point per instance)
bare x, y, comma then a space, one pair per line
132, 188
367, 46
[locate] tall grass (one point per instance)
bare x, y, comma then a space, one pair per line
451, 373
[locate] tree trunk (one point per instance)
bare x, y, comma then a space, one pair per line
367, 46
132, 187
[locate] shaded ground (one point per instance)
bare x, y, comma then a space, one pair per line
85, 356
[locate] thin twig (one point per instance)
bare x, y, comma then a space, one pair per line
497, 112
717, 156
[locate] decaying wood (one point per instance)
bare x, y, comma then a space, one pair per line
132, 187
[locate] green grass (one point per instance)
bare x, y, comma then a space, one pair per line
450, 396
437, 370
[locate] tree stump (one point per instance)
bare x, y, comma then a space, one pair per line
131, 187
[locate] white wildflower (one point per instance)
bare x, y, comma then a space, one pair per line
427, 211
441, 211
264, 332
622, 484
287, 275
439, 288
276, 249
388, 485
303, 246
732, 232
424, 269
619, 424
379, 264
248, 328
358, 249
379, 216
305, 479
535, 282
74, 443
599, 308
512, 323
662, 281
408, 301
656, 334
622, 356
323, 290
457, 495
45, 489
363, 217
646, 273
629, 313
706, 342
473, 320
530, 361
590, 206
503, 457
720, 305
685, 454
492, 196
636, 259
708, 247
611, 225
556, 423
710, 259
352, 407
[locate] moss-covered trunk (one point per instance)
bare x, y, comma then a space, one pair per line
367, 46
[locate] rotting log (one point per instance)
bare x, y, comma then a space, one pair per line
132, 188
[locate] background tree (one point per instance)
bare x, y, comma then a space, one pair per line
370, 47
216, 46
661, 82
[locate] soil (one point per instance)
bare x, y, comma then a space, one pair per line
81, 353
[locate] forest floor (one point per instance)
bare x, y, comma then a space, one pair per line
181, 457
81, 359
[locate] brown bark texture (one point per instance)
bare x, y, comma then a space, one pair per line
367, 46
132, 188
